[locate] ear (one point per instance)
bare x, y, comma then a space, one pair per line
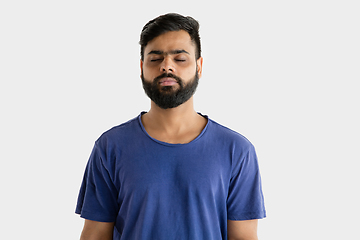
141, 67
199, 64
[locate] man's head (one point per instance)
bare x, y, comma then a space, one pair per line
167, 23
171, 63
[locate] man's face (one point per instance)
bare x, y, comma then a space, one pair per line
169, 71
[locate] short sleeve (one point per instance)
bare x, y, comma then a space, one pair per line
97, 199
245, 198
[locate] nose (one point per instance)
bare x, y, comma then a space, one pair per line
167, 65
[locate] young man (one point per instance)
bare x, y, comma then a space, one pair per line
171, 173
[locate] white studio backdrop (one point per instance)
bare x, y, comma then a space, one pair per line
283, 73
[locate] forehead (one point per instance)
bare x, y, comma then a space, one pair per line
170, 41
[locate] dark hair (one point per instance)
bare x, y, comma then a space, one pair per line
170, 22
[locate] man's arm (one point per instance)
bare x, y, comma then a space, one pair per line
242, 230
97, 230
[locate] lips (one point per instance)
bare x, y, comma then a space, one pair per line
167, 81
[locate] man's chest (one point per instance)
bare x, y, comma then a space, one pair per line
152, 170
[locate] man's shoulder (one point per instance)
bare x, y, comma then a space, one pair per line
120, 132
227, 134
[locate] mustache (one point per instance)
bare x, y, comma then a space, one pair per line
170, 75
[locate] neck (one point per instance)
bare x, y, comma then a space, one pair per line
176, 125
172, 119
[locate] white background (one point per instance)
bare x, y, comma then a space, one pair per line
283, 73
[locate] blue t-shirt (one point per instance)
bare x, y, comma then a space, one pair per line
156, 190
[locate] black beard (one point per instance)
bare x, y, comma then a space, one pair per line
165, 96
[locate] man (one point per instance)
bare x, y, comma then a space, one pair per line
171, 173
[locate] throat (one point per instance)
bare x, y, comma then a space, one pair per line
180, 138
174, 133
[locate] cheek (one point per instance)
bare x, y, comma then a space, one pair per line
147, 73
190, 71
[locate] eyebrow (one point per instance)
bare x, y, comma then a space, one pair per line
172, 52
